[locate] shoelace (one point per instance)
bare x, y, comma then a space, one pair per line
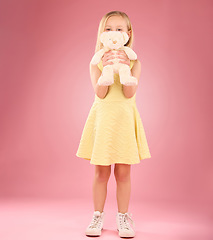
124, 220
95, 222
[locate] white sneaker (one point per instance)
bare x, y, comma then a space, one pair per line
123, 226
96, 225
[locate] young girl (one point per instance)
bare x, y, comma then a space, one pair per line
113, 132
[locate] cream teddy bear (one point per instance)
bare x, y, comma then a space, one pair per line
115, 40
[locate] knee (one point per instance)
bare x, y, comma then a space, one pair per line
103, 175
122, 176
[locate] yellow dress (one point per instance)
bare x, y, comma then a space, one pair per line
113, 132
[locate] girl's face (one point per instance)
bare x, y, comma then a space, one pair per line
116, 23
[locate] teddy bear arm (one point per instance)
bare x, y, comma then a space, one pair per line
130, 53
97, 57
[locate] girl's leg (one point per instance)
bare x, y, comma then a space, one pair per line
102, 174
122, 175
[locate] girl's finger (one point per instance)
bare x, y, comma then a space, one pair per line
125, 62
110, 54
122, 54
107, 63
120, 51
109, 58
122, 57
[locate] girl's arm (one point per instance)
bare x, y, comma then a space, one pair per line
129, 91
95, 73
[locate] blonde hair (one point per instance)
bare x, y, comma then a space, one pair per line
99, 44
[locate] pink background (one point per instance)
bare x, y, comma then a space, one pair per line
46, 95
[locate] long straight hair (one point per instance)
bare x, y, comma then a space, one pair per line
99, 44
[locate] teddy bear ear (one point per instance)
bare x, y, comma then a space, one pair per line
126, 37
102, 37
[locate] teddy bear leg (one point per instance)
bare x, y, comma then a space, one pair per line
107, 76
125, 76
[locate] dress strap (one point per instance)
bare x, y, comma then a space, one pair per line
100, 65
131, 63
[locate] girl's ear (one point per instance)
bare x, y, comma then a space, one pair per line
102, 37
126, 37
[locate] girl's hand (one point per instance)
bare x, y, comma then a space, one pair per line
107, 57
123, 56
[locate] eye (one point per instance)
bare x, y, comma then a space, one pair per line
107, 29
119, 29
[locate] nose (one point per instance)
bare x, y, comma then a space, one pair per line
114, 42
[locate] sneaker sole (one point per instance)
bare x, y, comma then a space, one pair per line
89, 235
94, 235
126, 236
